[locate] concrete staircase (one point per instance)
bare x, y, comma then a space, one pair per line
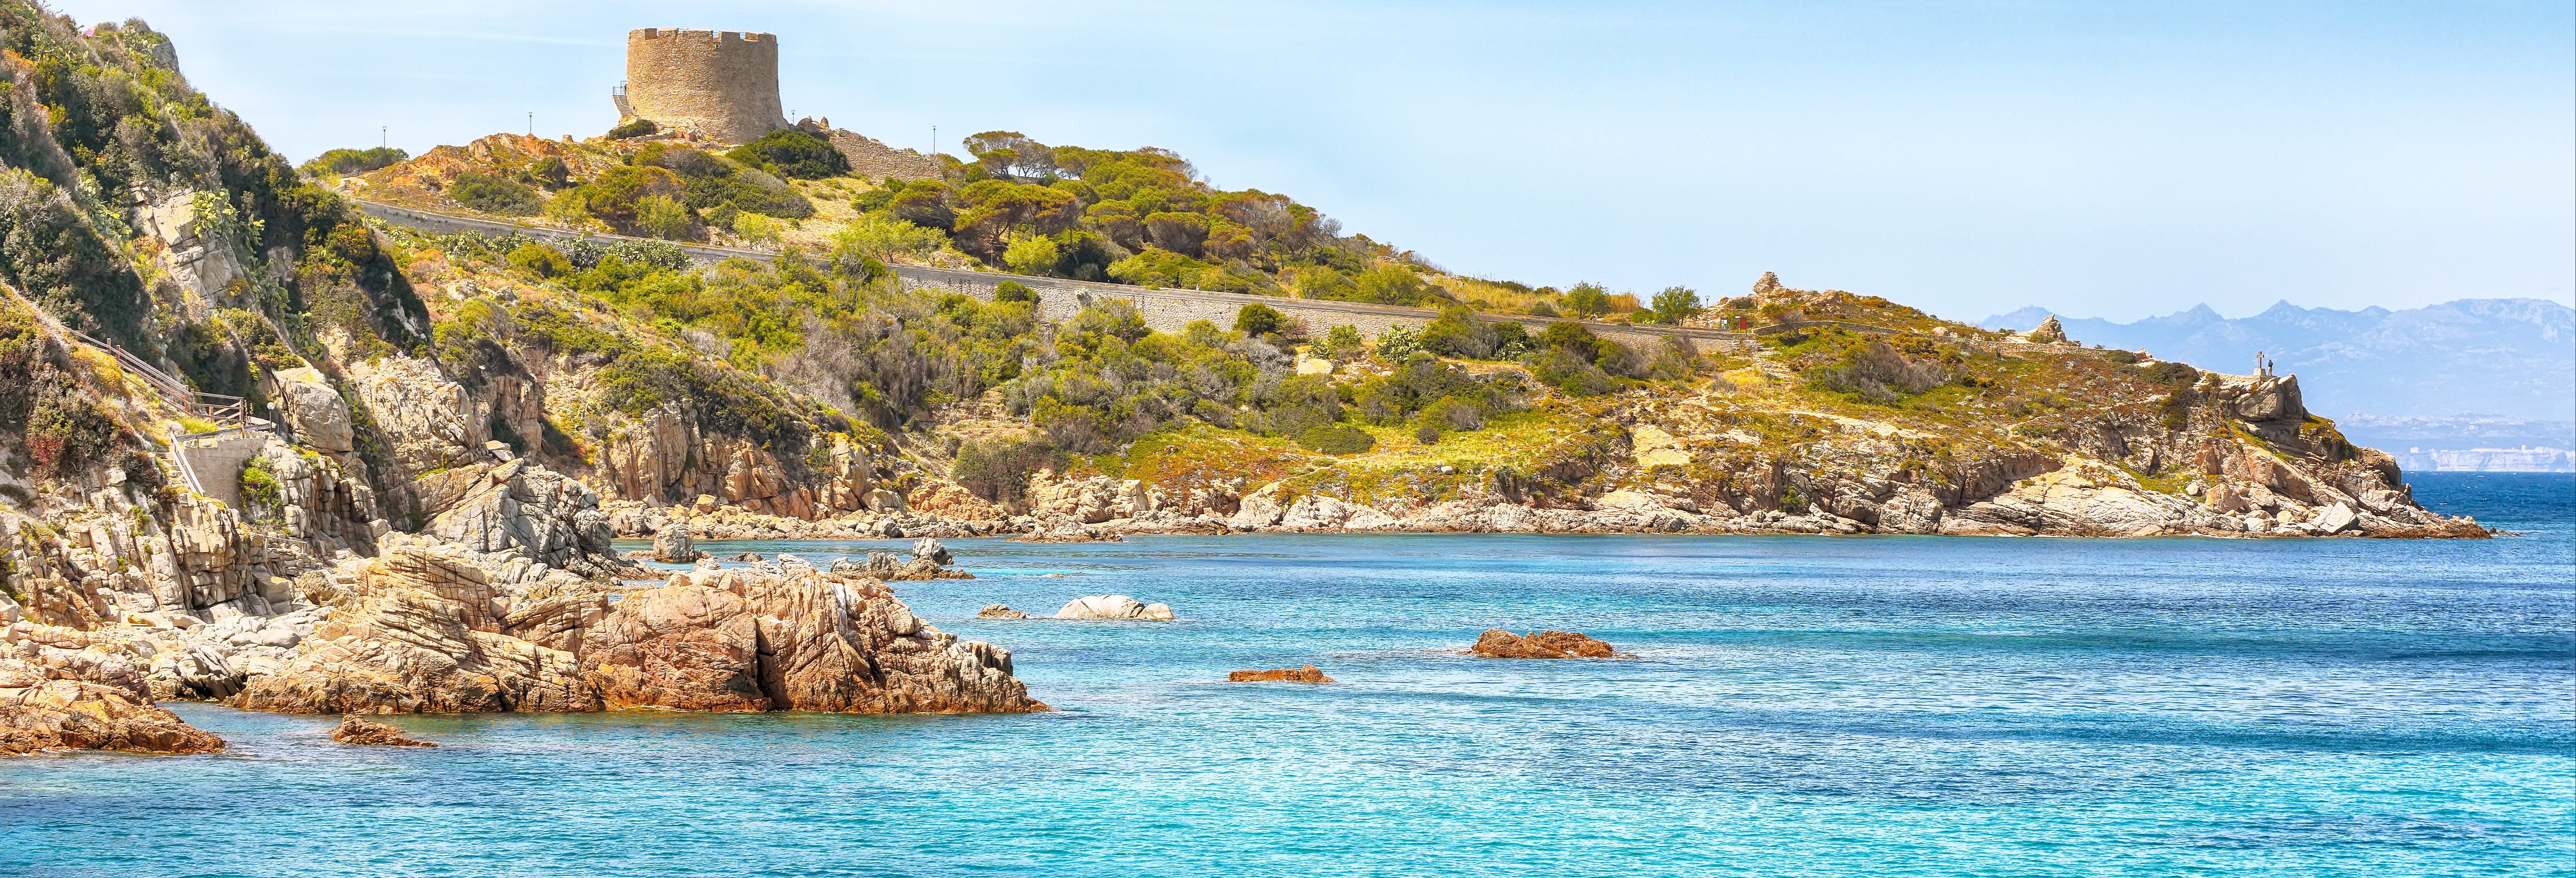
209, 462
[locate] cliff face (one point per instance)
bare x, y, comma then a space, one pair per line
167, 278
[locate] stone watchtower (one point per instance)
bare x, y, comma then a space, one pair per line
722, 85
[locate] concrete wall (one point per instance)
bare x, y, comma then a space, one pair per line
1059, 299
217, 462
721, 84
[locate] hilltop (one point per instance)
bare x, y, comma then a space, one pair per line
1141, 217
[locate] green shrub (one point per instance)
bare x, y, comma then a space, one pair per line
1296, 405
1674, 305
1588, 300
1399, 343
662, 216
1875, 372
354, 161
1013, 291
496, 195
588, 253
1570, 373
616, 196
1341, 344
67, 433
1336, 439
1000, 471
1029, 253
1256, 319
1427, 434
259, 486
1452, 413
540, 261
1459, 334
791, 153
633, 128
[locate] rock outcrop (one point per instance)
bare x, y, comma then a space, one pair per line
1307, 674
1498, 643
804, 640
517, 507
363, 733
673, 545
2049, 331
1113, 606
64, 688
435, 631
998, 611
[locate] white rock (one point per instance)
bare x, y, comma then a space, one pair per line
1113, 606
2336, 518
1255, 512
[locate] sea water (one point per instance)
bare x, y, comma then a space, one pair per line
1795, 706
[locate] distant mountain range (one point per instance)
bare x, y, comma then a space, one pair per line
2514, 358
2464, 374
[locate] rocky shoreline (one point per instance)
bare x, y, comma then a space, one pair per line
2261, 467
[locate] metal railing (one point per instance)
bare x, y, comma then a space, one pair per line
217, 407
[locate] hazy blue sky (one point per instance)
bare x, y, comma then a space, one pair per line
2099, 158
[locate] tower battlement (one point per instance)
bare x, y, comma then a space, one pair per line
723, 85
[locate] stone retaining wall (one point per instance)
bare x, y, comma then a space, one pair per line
1060, 299
1169, 310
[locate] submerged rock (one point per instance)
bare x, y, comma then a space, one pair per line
1307, 674
1498, 643
998, 611
1113, 606
363, 733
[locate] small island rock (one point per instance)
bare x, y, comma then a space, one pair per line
998, 611
1498, 643
364, 733
1113, 606
1307, 674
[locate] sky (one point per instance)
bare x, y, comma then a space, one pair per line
2101, 159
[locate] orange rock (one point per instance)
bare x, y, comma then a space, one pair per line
361, 732
1307, 674
70, 713
951, 501
1498, 643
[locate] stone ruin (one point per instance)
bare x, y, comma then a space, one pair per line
722, 87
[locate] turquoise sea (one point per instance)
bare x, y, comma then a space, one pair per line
1797, 706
